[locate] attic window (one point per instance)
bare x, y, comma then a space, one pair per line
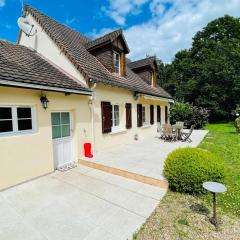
116, 62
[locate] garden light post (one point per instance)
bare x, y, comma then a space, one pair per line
214, 188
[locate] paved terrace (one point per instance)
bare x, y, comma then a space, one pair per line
144, 157
88, 204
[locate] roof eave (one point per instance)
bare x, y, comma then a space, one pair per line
44, 87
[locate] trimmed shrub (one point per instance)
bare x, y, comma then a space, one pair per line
187, 168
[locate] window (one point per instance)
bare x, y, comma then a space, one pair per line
6, 122
16, 120
60, 124
158, 114
116, 61
151, 114
115, 116
139, 115
143, 115
24, 116
166, 114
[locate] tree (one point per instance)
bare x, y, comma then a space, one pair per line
208, 74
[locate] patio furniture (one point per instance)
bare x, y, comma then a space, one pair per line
168, 133
186, 136
159, 130
178, 127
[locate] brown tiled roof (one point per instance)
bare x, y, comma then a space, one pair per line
72, 44
149, 61
19, 64
108, 38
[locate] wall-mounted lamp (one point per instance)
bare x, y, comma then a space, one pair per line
135, 96
44, 101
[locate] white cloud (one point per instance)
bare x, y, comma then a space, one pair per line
173, 24
70, 21
118, 10
2, 3
8, 26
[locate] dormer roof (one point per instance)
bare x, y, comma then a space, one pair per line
73, 45
106, 39
142, 63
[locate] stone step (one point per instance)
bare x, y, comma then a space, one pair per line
130, 175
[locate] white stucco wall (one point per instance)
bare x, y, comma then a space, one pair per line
44, 45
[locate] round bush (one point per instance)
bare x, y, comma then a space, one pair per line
187, 168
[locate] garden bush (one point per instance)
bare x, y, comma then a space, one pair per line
180, 112
187, 168
199, 117
189, 114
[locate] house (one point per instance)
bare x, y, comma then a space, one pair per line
60, 89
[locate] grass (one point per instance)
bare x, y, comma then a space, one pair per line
183, 216
223, 141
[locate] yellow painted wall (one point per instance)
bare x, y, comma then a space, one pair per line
121, 97
23, 157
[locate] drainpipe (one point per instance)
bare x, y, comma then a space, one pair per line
90, 104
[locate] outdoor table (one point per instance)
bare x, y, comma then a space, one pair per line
214, 188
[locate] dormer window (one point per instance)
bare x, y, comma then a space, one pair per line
117, 63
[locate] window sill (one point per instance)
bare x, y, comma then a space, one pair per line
146, 126
119, 130
18, 134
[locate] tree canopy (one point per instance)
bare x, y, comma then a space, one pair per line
208, 74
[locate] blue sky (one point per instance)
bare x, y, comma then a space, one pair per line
160, 27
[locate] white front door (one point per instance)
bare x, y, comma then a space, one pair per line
62, 138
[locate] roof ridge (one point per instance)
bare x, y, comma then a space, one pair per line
29, 7
73, 46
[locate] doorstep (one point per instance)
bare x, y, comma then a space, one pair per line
130, 175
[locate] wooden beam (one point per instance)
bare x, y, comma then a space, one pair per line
134, 176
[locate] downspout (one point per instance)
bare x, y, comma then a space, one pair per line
90, 103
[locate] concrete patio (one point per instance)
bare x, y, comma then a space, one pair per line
88, 204
145, 157
80, 204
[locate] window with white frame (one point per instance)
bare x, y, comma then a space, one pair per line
144, 115
17, 119
116, 61
115, 116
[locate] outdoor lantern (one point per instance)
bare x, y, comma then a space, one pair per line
135, 96
44, 101
214, 188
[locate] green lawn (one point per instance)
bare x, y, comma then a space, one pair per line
223, 141
184, 216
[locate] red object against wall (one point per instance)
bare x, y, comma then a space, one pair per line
88, 150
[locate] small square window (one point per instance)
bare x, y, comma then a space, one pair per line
24, 115
24, 112
6, 123
6, 126
5, 113
61, 125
